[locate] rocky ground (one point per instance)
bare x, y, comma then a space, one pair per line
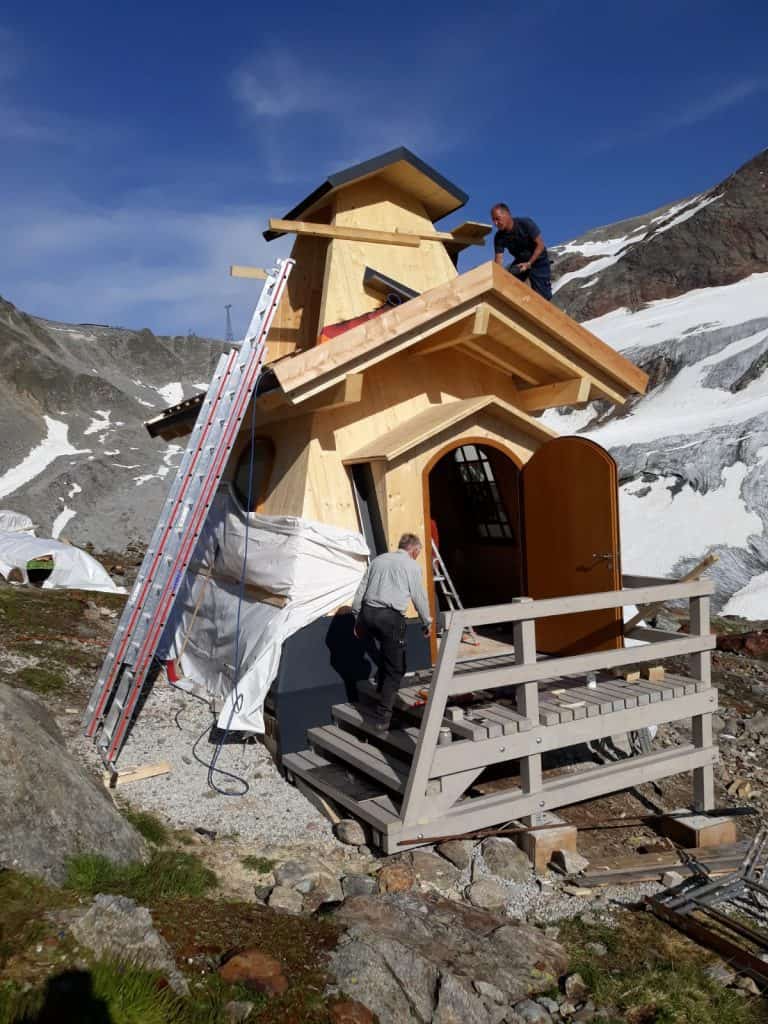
251, 907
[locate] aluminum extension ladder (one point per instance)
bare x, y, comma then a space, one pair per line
122, 677
442, 578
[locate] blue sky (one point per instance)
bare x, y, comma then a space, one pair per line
144, 145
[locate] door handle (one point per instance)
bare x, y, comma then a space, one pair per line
597, 558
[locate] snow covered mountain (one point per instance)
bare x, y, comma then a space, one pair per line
75, 456
683, 293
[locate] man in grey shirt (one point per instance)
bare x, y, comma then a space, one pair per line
389, 584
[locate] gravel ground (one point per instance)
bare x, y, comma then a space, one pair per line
166, 730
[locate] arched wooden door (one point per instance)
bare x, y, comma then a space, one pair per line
571, 521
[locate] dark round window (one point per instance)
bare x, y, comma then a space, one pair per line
263, 457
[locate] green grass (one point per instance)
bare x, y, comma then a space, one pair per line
148, 825
653, 975
261, 864
23, 901
41, 680
169, 874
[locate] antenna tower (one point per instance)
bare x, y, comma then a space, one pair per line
229, 336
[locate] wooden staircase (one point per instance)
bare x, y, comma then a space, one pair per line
512, 708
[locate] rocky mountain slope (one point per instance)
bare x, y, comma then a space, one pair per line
683, 292
75, 455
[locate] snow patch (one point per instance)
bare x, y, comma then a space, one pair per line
53, 446
61, 521
74, 489
690, 212
751, 601
687, 523
99, 422
172, 393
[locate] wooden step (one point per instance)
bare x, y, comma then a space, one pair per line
364, 757
365, 799
403, 739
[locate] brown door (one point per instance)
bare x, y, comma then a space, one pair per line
571, 520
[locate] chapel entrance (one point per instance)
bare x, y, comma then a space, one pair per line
473, 510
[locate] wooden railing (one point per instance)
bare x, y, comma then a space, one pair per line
528, 669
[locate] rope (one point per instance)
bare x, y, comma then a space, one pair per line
236, 696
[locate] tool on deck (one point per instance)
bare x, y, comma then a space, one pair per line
123, 674
442, 578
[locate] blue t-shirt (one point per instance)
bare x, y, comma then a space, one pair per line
520, 241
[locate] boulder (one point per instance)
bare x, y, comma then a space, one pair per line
434, 870
575, 988
421, 957
532, 1012
50, 807
283, 898
255, 970
117, 927
457, 851
505, 859
309, 876
350, 832
487, 894
569, 862
358, 885
397, 876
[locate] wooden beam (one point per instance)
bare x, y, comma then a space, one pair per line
119, 776
257, 273
352, 234
548, 396
274, 405
452, 335
502, 357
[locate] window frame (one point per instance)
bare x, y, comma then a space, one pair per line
481, 495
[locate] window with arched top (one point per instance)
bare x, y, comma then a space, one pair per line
481, 492
262, 459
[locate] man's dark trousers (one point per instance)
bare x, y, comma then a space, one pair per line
387, 627
540, 276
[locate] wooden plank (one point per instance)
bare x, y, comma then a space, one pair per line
122, 776
256, 273
544, 607
506, 726
572, 665
385, 768
402, 739
350, 234
483, 812
630, 699
324, 777
523, 724
551, 737
565, 392
501, 357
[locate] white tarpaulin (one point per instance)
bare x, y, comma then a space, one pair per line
72, 567
15, 522
295, 572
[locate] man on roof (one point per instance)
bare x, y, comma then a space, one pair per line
521, 238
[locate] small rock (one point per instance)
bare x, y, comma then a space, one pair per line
350, 832
486, 894
485, 988
430, 868
505, 859
358, 885
532, 1013
351, 1012
551, 1005
256, 971
396, 877
568, 1007
237, 1011
261, 892
457, 851
670, 878
575, 988
585, 1014
730, 728
748, 985
283, 898
597, 948
568, 862
720, 973
740, 788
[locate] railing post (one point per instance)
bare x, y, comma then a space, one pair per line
415, 798
524, 634
701, 725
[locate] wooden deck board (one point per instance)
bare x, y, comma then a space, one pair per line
364, 757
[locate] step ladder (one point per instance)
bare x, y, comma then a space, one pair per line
115, 696
442, 578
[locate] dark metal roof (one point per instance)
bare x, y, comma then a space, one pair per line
449, 197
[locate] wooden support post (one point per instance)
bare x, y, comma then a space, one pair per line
701, 668
414, 809
524, 633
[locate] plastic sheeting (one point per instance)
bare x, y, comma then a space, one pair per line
72, 567
296, 571
15, 522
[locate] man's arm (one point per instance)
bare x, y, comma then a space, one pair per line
419, 596
499, 258
538, 249
357, 600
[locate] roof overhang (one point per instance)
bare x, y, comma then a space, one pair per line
400, 168
431, 422
488, 315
